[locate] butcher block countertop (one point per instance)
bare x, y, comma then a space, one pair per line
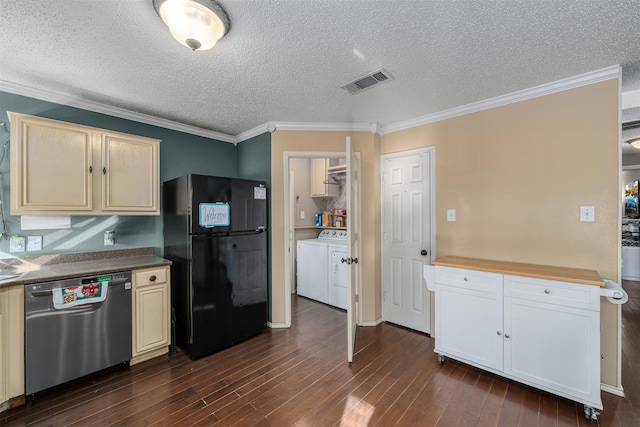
63, 266
575, 275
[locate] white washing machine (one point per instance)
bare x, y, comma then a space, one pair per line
312, 272
320, 274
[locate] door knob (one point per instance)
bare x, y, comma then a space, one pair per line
424, 252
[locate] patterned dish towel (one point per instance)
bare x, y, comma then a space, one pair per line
88, 293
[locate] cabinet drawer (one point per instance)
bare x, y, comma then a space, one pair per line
553, 292
469, 279
153, 276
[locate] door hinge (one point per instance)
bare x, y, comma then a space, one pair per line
357, 298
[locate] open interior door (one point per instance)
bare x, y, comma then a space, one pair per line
353, 246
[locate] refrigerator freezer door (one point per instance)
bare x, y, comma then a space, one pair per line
249, 205
246, 202
210, 191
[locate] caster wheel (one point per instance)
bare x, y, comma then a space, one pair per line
590, 413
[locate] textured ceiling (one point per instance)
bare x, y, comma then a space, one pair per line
284, 60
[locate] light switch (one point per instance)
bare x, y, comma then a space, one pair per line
301, 214
451, 215
587, 213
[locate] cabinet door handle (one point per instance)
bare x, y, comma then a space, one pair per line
104, 171
152, 278
547, 291
424, 252
499, 333
506, 335
90, 169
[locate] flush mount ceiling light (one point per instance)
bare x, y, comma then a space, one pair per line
635, 143
197, 24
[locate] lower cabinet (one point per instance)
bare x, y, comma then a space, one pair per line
543, 333
151, 313
11, 344
469, 317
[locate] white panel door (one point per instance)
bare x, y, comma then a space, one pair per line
406, 203
353, 232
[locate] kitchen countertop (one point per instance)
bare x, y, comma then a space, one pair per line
563, 274
63, 266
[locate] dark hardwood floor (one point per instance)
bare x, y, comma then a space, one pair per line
300, 376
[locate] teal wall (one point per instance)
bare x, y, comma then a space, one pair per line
254, 162
180, 153
254, 158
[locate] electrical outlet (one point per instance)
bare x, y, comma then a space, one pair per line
451, 215
34, 243
109, 237
587, 213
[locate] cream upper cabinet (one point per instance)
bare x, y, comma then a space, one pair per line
319, 169
130, 173
51, 166
63, 168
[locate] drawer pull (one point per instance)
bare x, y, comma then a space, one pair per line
547, 291
152, 278
466, 279
499, 333
506, 335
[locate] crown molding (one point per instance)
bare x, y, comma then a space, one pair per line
97, 107
258, 130
597, 76
328, 127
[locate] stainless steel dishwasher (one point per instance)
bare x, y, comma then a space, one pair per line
76, 327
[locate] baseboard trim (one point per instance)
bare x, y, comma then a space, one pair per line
372, 323
277, 325
618, 391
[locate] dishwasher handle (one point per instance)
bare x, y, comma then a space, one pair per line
49, 292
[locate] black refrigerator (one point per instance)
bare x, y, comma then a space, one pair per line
215, 234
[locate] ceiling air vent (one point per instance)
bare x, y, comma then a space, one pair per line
366, 82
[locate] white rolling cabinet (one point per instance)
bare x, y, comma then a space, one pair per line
552, 336
541, 332
469, 316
